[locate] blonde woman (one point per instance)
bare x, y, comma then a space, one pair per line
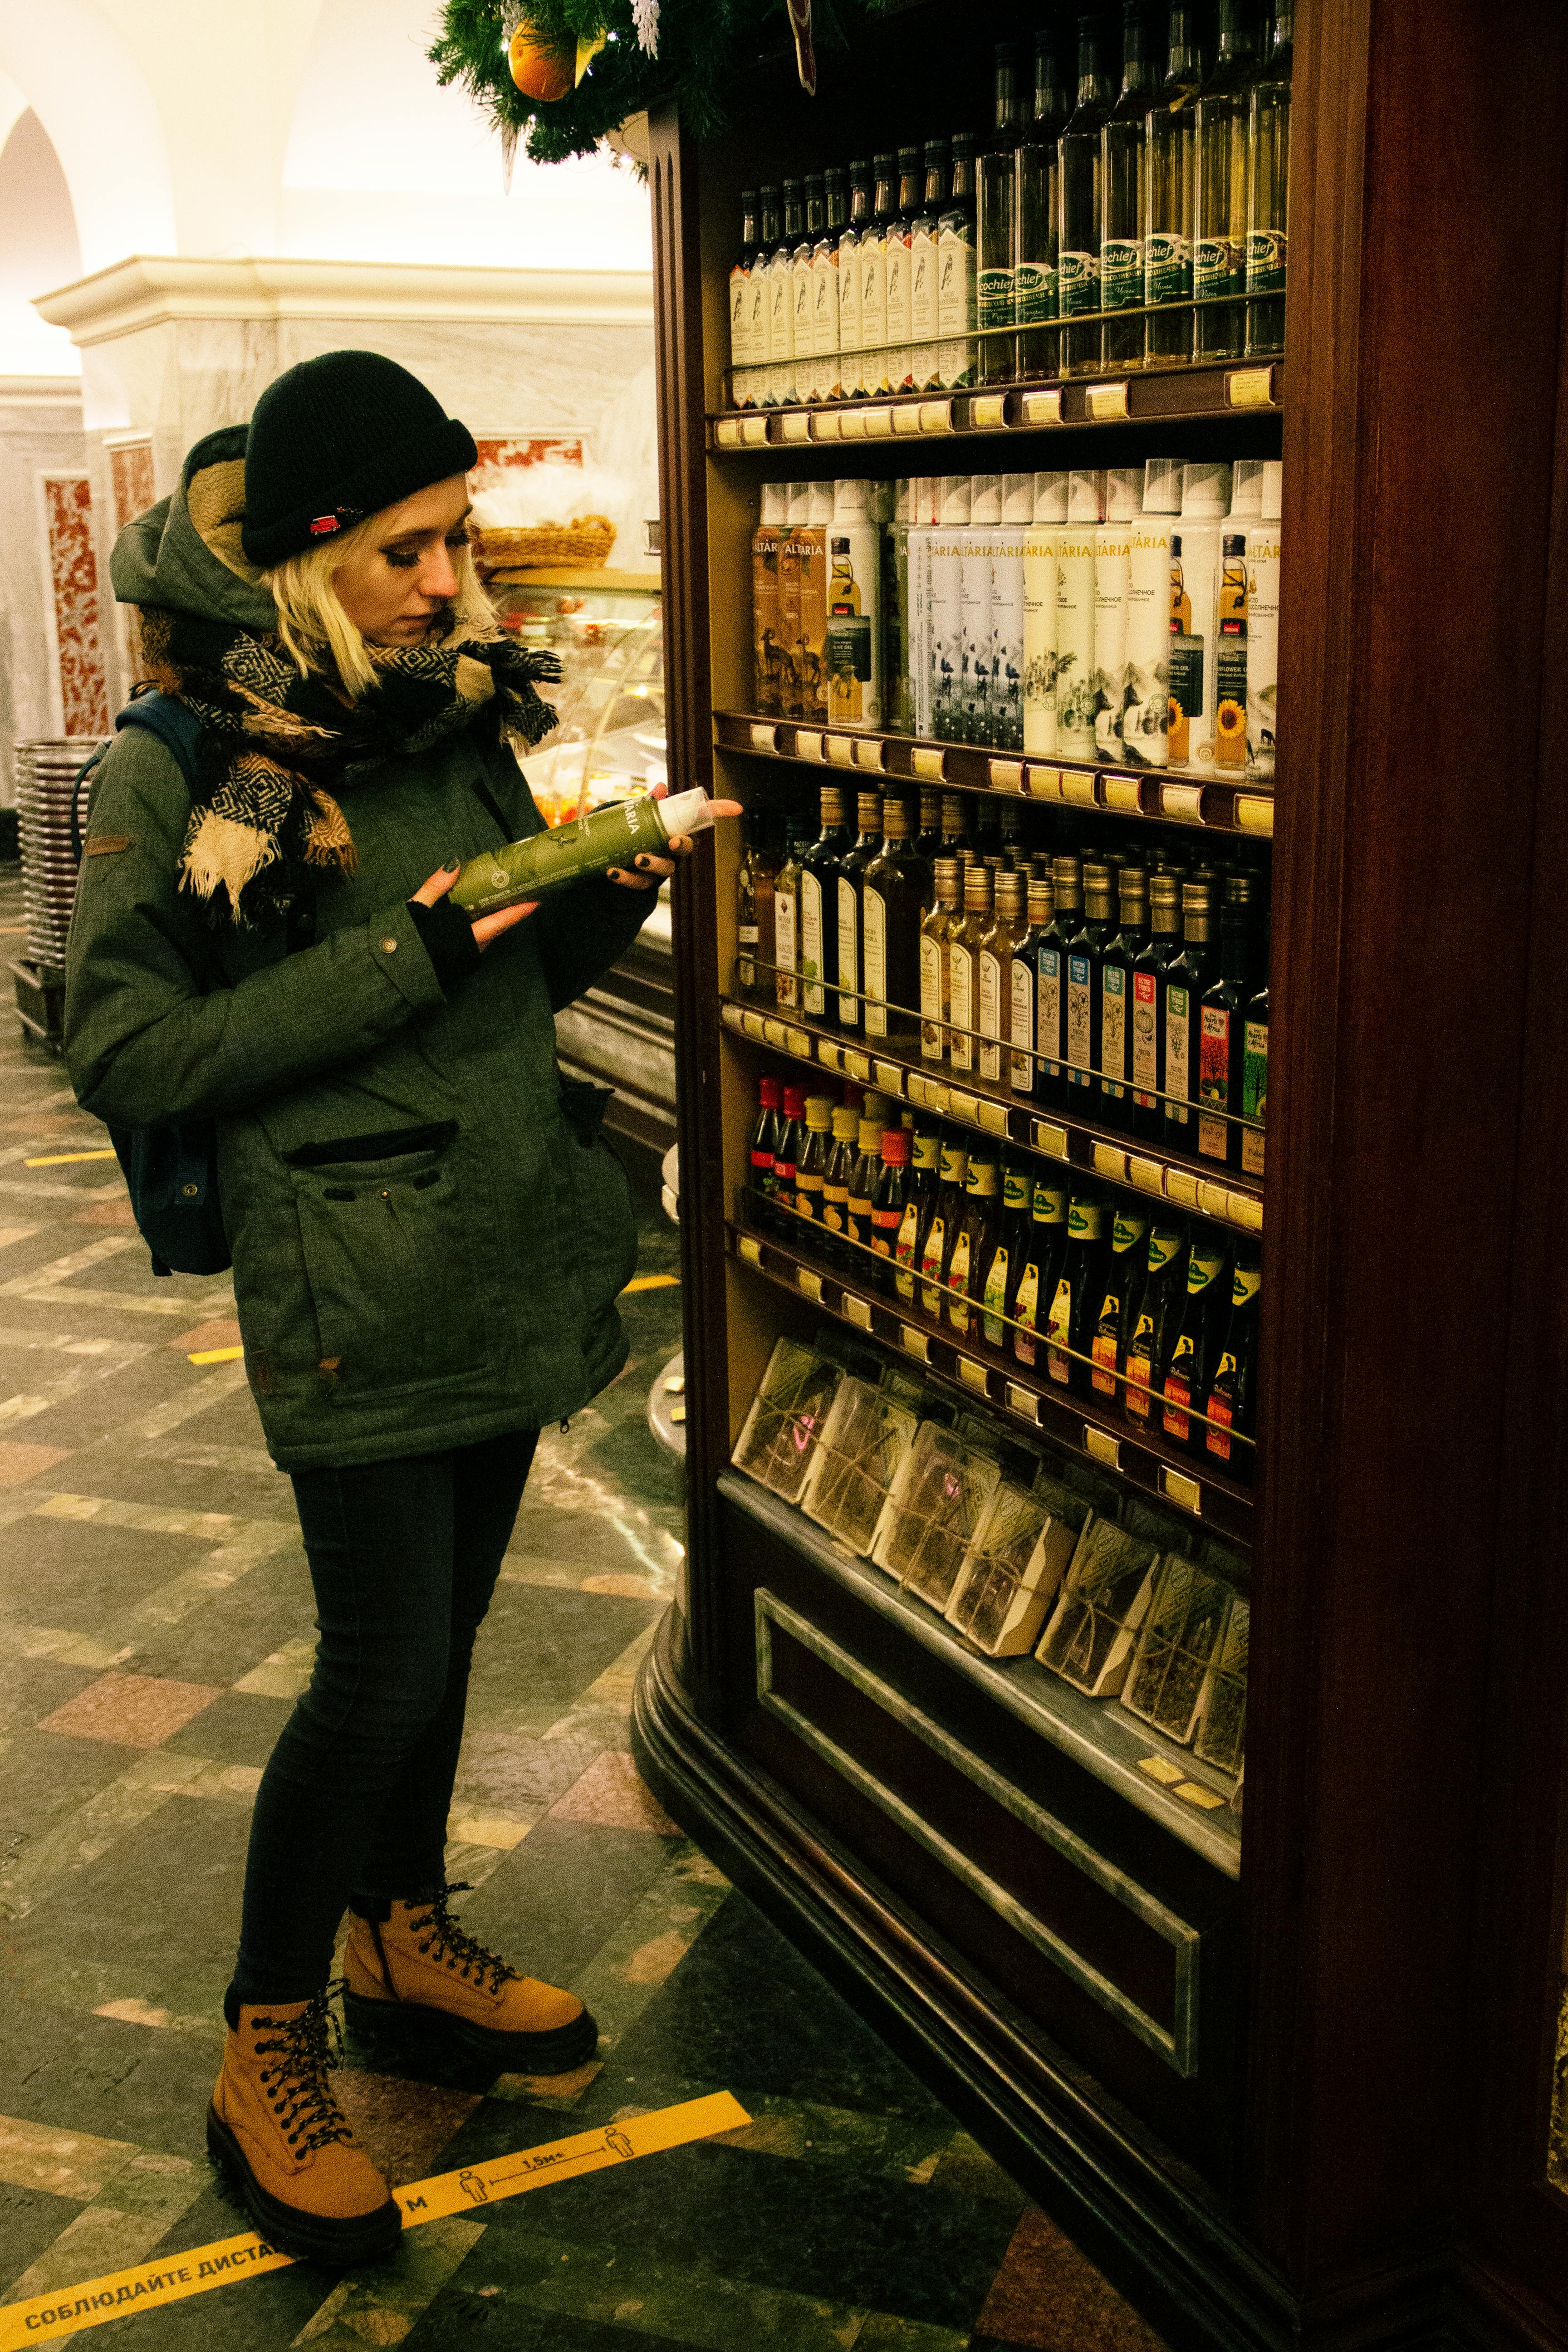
428, 1234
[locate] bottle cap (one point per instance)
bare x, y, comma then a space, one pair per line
794, 1102
953, 504
1123, 493
895, 1146
948, 884
977, 888
832, 805
1010, 892
768, 1093
986, 498
1097, 893
953, 812
775, 502
895, 819
1083, 496
1273, 475
1017, 497
684, 812
850, 498
1246, 490
819, 1113
819, 504
1206, 490
869, 1137
1163, 485
846, 1123
879, 501
868, 810
1050, 497
1042, 898
798, 503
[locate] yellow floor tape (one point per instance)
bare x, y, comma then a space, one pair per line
148, 2286
68, 1159
652, 1282
215, 1355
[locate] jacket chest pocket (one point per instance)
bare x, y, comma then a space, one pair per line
394, 1250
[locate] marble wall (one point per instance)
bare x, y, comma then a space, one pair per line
40, 435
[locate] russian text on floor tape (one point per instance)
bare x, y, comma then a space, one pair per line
147, 2286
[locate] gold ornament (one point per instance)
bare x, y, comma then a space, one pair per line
542, 69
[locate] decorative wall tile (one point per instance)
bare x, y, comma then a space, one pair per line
531, 449
73, 571
130, 474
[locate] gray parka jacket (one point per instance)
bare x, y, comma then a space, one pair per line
463, 1280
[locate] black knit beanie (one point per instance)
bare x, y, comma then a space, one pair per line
338, 438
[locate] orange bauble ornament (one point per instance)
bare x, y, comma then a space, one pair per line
542, 69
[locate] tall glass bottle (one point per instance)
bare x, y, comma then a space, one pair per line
787, 991
1007, 927
741, 303
898, 236
925, 1176
891, 893
755, 912
1154, 1324
1117, 1002
811, 1167
1081, 198
956, 294
964, 968
770, 209
865, 1174
1080, 1287
1219, 220
1119, 1307
874, 275
1222, 1027
946, 909
1024, 1072
803, 282
1171, 145
1124, 178
1195, 1349
825, 286
1255, 1082
819, 906
1148, 1014
851, 873
1268, 182
941, 1225
1037, 214
1082, 1016
1051, 981
925, 271
975, 1240
1044, 1244
836, 1185
996, 195
786, 1151
1186, 977
1007, 1257
780, 296
761, 1150
851, 286
1232, 1401
928, 834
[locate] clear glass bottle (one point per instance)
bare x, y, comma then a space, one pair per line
825, 286
956, 294
1124, 177
874, 275
898, 234
925, 271
741, 303
1170, 172
996, 986
1051, 977
1085, 951
754, 913
975, 1239
787, 991
1149, 1005
1219, 220
1037, 214
803, 284
780, 295
996, 193
1082, 200
818, 920
1268, 186
851, 286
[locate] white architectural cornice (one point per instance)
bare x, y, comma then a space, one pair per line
153, 290
45, 392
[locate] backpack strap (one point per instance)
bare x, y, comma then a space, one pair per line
176, 725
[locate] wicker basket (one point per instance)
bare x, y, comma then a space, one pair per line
585, 540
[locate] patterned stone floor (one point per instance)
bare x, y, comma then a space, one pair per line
154, 1626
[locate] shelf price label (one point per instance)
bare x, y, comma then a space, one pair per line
797, 427
1182, 802
754, 432
989, 413
1181, 1187
1043, 407
1254, 812
1079, 789
1244, 1211
751, 1249
1006, 775
807, 744
1101, 1447
800, 1044
1124, 792
930, 763
1050, 1138
936, 417
1249, 388
915, 1343
727, 433
858, 1310
857, 1065
869, 752
808, 1284
732, 1017
1178, 1488
1107, 402
1043, 784
765, 739
1024, 1402
1148, 1175
840, 749
972, 1374
1214, 1199
876, 424
825, 428
777, 1034
1109, 1161
889, 1078
851, 425
830, 1056
907, 417
993, 1117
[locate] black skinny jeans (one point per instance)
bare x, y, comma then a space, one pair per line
352, 1805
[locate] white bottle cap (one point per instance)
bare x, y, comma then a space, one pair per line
1083, 496
1124, 493
685, 812
1017, 497
1050, 497
1205, 491
1273, 478
901, 499
1163, 485
1246, 490
850, 498
953, 505
798, 509
773, 506
820, 503
986, 498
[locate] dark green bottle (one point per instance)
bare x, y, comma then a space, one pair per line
1080, 1287
1187, 976
1006, 1256
1232, 1406
1035, 1286
1051, 979
1152, 1325
1116, 1000
1149, 967
1119, 1306
851, 873
1223, 1019
818, 916
1082, 1022
1195, 1346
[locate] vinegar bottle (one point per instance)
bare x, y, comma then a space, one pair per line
1118, 1307
941, 1226
1080, 1287
761, 1173
1232, 1402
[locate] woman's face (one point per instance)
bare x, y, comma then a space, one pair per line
400, 577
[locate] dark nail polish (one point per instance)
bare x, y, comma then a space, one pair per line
451, 865
614, 873
645, 863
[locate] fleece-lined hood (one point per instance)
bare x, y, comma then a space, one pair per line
184, 553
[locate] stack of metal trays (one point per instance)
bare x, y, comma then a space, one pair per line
46, 773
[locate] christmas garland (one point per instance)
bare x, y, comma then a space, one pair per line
561, 75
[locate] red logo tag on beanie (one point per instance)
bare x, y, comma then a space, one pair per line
323, 523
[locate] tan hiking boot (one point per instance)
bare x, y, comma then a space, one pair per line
276, 2127
418, 1967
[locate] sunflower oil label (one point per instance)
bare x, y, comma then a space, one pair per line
1078, 283
1121, 273
1145, 1040
1266, 250
1218, 1437
909, 1233
931, 1264
1080, 1022
1178, 1054
1167, 266
958, 1280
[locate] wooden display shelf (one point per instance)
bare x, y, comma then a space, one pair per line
1020, 1393
1100, 1735
1191, 1186
1242, 804
1153, 396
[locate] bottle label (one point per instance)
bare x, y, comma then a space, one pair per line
1218, 268
1023, 1311
1186, 684
825, 314
1244, 1284
909, 1233
931, 1264
1079, 1022
991, 1327
749, 934
1023, 1031
1266, 261
1059, 1326
834, 1206
1179, 1388
1230, 696
1218, 1438
1178, 1055
1035, 292
848, 951
1113, 1027
961, 994
1139, 1368
1253, 1093
990, 1023
1167, 266
807, 1195
958, 1280
932, 1040
1102, 1347
993, 298
1049, 1010
874, 926
850, 647
1015, 1190
873, 309
1214, 1081
1145, 1040
814, 996
956, 303
1121, 273
885, 1229
1078, 283
784, 948
925, 273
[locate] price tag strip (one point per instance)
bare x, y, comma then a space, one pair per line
147, 2287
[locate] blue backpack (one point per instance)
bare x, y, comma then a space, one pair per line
170, 1170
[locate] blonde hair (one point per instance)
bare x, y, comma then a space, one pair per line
317, 633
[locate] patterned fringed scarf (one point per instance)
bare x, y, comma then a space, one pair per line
276, 748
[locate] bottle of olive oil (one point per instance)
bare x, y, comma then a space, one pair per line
803, 279
1154, 1324
936, 927
1037, 214
928, 833
891, 892
998, 945
1123, 170
925, 271
874, 275
1077, 693
1171, 150
781, 275
1148, 1006
825, 286
751, 390
1117, 1004
1219, 231
1255, 1082
819, 906
1039, 905
1082, 990
851, 288
851, 873
1118, 1309
754, 912
1223, 1020
975, 1240
956, 297
1194, 1347
898, 235
941, 1225
919, 1203
1080, 1287
1232, 1402
767, 330
865, 1175
740, 299
1051, 979
964, 967
1007, 1257
1268, 182
1081, 198
997, 231
787, 989
1041, 1251
1187, 976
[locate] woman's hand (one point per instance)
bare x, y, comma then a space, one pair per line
488, 926
648, 871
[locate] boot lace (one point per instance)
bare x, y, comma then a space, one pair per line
298, 2089
449, 1941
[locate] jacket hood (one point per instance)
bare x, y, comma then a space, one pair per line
184, 553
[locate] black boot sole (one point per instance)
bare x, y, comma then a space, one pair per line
561, 2051
310, 2237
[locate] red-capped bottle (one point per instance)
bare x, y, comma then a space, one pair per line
762, 1179
895, 1190
786, 1151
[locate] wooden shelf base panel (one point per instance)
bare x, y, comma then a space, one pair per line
1239, 805
1188, 1185
1144, 396
1022, 1394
